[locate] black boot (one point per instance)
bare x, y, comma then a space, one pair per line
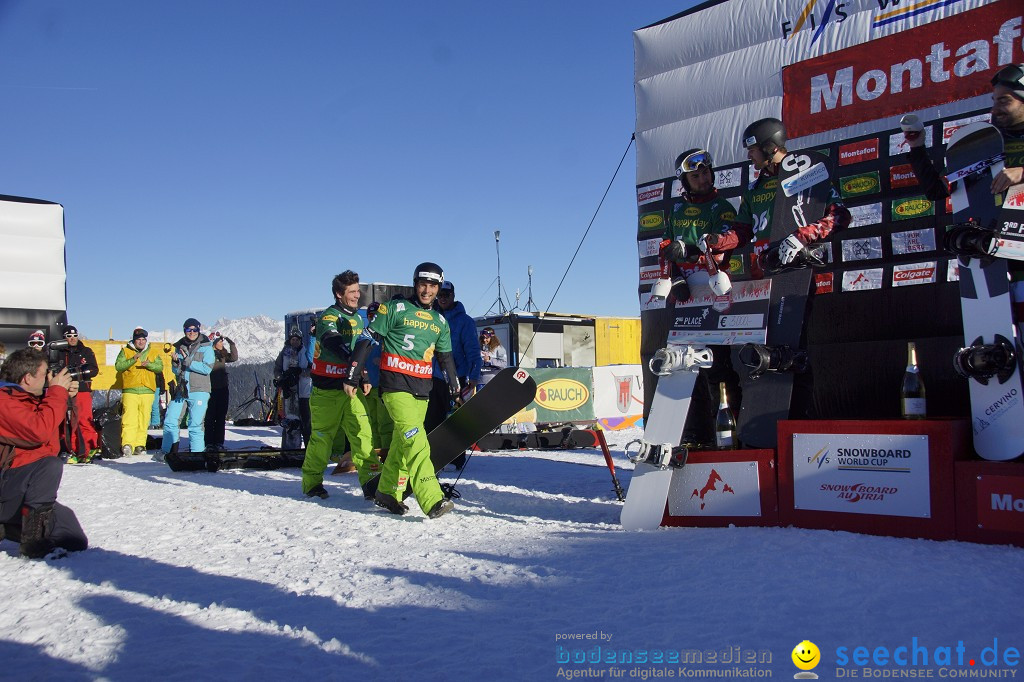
34, 530
440, 509
389, 503
317, 491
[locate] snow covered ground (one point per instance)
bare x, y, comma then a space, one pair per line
235, 575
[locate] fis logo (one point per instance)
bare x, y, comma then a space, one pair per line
815, 18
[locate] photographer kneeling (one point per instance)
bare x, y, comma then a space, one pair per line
30, 470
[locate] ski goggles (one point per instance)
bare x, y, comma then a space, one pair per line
70, 335
191, 329
695, 161
486, 333
36, 344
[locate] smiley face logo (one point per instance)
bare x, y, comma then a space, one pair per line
806, 655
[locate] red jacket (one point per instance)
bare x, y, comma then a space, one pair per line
28, 418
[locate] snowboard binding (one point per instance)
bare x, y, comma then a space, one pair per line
982, 361
970, 240
760, 359
811, 256
678, 358
663, 455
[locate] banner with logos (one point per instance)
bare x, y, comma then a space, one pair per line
718, 489
862, 474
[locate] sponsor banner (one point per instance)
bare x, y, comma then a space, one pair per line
677, 188
1014, 198
823, 282
862, 280
902, 176
952, 270
905, 71
649, 302
950, 127
719, 489
862, 249
914, 273
650, 193
859, 185
726, 178
652, 221
805, 179
912, 207
898, 142
913, 241
649, 273
736, 266
739, 317
649, 247
855, 152
868, 214
1000, 502
618, 391
563, 394
862, 474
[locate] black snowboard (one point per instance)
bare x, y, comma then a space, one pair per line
767, 396
509, 391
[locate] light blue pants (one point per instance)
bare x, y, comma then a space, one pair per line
197, 404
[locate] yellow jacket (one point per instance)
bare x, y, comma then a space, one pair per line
134, 377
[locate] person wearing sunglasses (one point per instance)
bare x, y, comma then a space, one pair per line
76, 356
1008, 117
192, 362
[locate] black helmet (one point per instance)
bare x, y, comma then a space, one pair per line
431, 272
1012, 77
768, 134
691, 160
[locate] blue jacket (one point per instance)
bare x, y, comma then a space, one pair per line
196, 365
465, 343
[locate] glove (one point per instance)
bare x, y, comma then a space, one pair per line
913, 130
455, 390
674, 251
789, 248
709, 240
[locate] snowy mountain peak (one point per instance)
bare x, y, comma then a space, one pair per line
259, 337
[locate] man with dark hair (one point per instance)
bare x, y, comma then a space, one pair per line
84, 440
1008, 117
465, 352
331, 407
411, 334
30, 469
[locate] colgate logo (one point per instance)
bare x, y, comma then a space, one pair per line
904, 275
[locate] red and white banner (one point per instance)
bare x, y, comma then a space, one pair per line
906, 71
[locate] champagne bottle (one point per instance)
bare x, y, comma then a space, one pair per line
912, 392
725, 422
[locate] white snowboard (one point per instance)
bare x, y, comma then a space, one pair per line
648, 488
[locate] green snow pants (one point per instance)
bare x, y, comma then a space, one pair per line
380, 420
329, 412
409, 456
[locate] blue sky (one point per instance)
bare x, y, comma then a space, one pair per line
226, 159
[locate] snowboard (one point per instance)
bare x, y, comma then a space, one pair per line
508, 391
766, 371
660, 452
990, 359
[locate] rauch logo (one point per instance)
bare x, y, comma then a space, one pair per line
561, 395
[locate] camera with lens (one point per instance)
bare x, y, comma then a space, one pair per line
55, 363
